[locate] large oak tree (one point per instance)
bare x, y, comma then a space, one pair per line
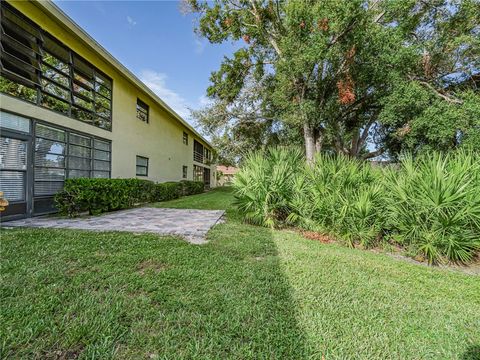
340, 71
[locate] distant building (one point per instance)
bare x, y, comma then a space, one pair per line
225, 174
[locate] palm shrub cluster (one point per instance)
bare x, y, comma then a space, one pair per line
430, 205
340, 196
265, 185
434, 205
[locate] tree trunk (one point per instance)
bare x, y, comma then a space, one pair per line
309, 136
354, 149
318, 141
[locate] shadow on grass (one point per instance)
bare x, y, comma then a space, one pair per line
472, 353
117, 295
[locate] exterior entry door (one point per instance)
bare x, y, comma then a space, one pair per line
206, 177
14, 174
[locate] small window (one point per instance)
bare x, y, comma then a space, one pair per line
197, 173
142, 111
142, 166
185, 138
185, 171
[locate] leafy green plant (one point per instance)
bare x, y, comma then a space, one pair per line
167, 191
430, 204
96, 196
434, 205
264, 186
101, 195
191, 187
340, 195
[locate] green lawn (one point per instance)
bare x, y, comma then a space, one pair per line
218, 199
250, 293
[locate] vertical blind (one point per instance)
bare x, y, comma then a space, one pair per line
61, 154
13, 166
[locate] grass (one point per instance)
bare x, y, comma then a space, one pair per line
218, 199
250, 293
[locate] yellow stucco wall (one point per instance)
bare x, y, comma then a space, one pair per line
161, 140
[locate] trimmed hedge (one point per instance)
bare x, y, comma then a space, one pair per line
192, 187
167, 191
96, 196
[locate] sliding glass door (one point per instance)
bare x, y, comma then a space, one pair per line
14, 161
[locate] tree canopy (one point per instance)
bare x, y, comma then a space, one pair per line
362, 78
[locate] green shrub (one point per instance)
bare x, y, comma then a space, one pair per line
144, 190
167, 191
101, 195
434, 205
430, 205
340, 196
192, 187
264, 185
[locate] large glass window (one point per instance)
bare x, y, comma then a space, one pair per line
79, 156
38, 68
14, 122
101, 156
197, 151
61, 154
49, 160
19, 56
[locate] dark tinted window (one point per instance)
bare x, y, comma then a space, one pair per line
142, 166
142, 111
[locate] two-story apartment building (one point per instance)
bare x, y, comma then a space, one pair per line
70, 109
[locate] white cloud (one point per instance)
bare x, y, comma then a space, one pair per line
204, 101
156, 81
199, 46
130, 21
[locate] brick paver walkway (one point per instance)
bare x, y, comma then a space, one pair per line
192, 225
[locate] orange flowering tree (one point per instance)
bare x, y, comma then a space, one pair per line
333, 71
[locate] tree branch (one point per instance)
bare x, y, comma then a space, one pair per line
343, 33
445, 97
373, 154
270, 37
365, 132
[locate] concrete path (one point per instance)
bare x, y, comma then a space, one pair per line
192, 225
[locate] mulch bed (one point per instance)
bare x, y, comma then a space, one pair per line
313, 235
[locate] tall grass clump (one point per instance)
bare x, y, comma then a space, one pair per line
264, 185
434, 205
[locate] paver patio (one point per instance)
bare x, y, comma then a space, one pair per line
192, 225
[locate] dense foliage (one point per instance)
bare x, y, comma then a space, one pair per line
190, 188
101, 195
265, 185
361, 78
430, 205
433, 205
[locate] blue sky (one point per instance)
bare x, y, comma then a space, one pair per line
156, 42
